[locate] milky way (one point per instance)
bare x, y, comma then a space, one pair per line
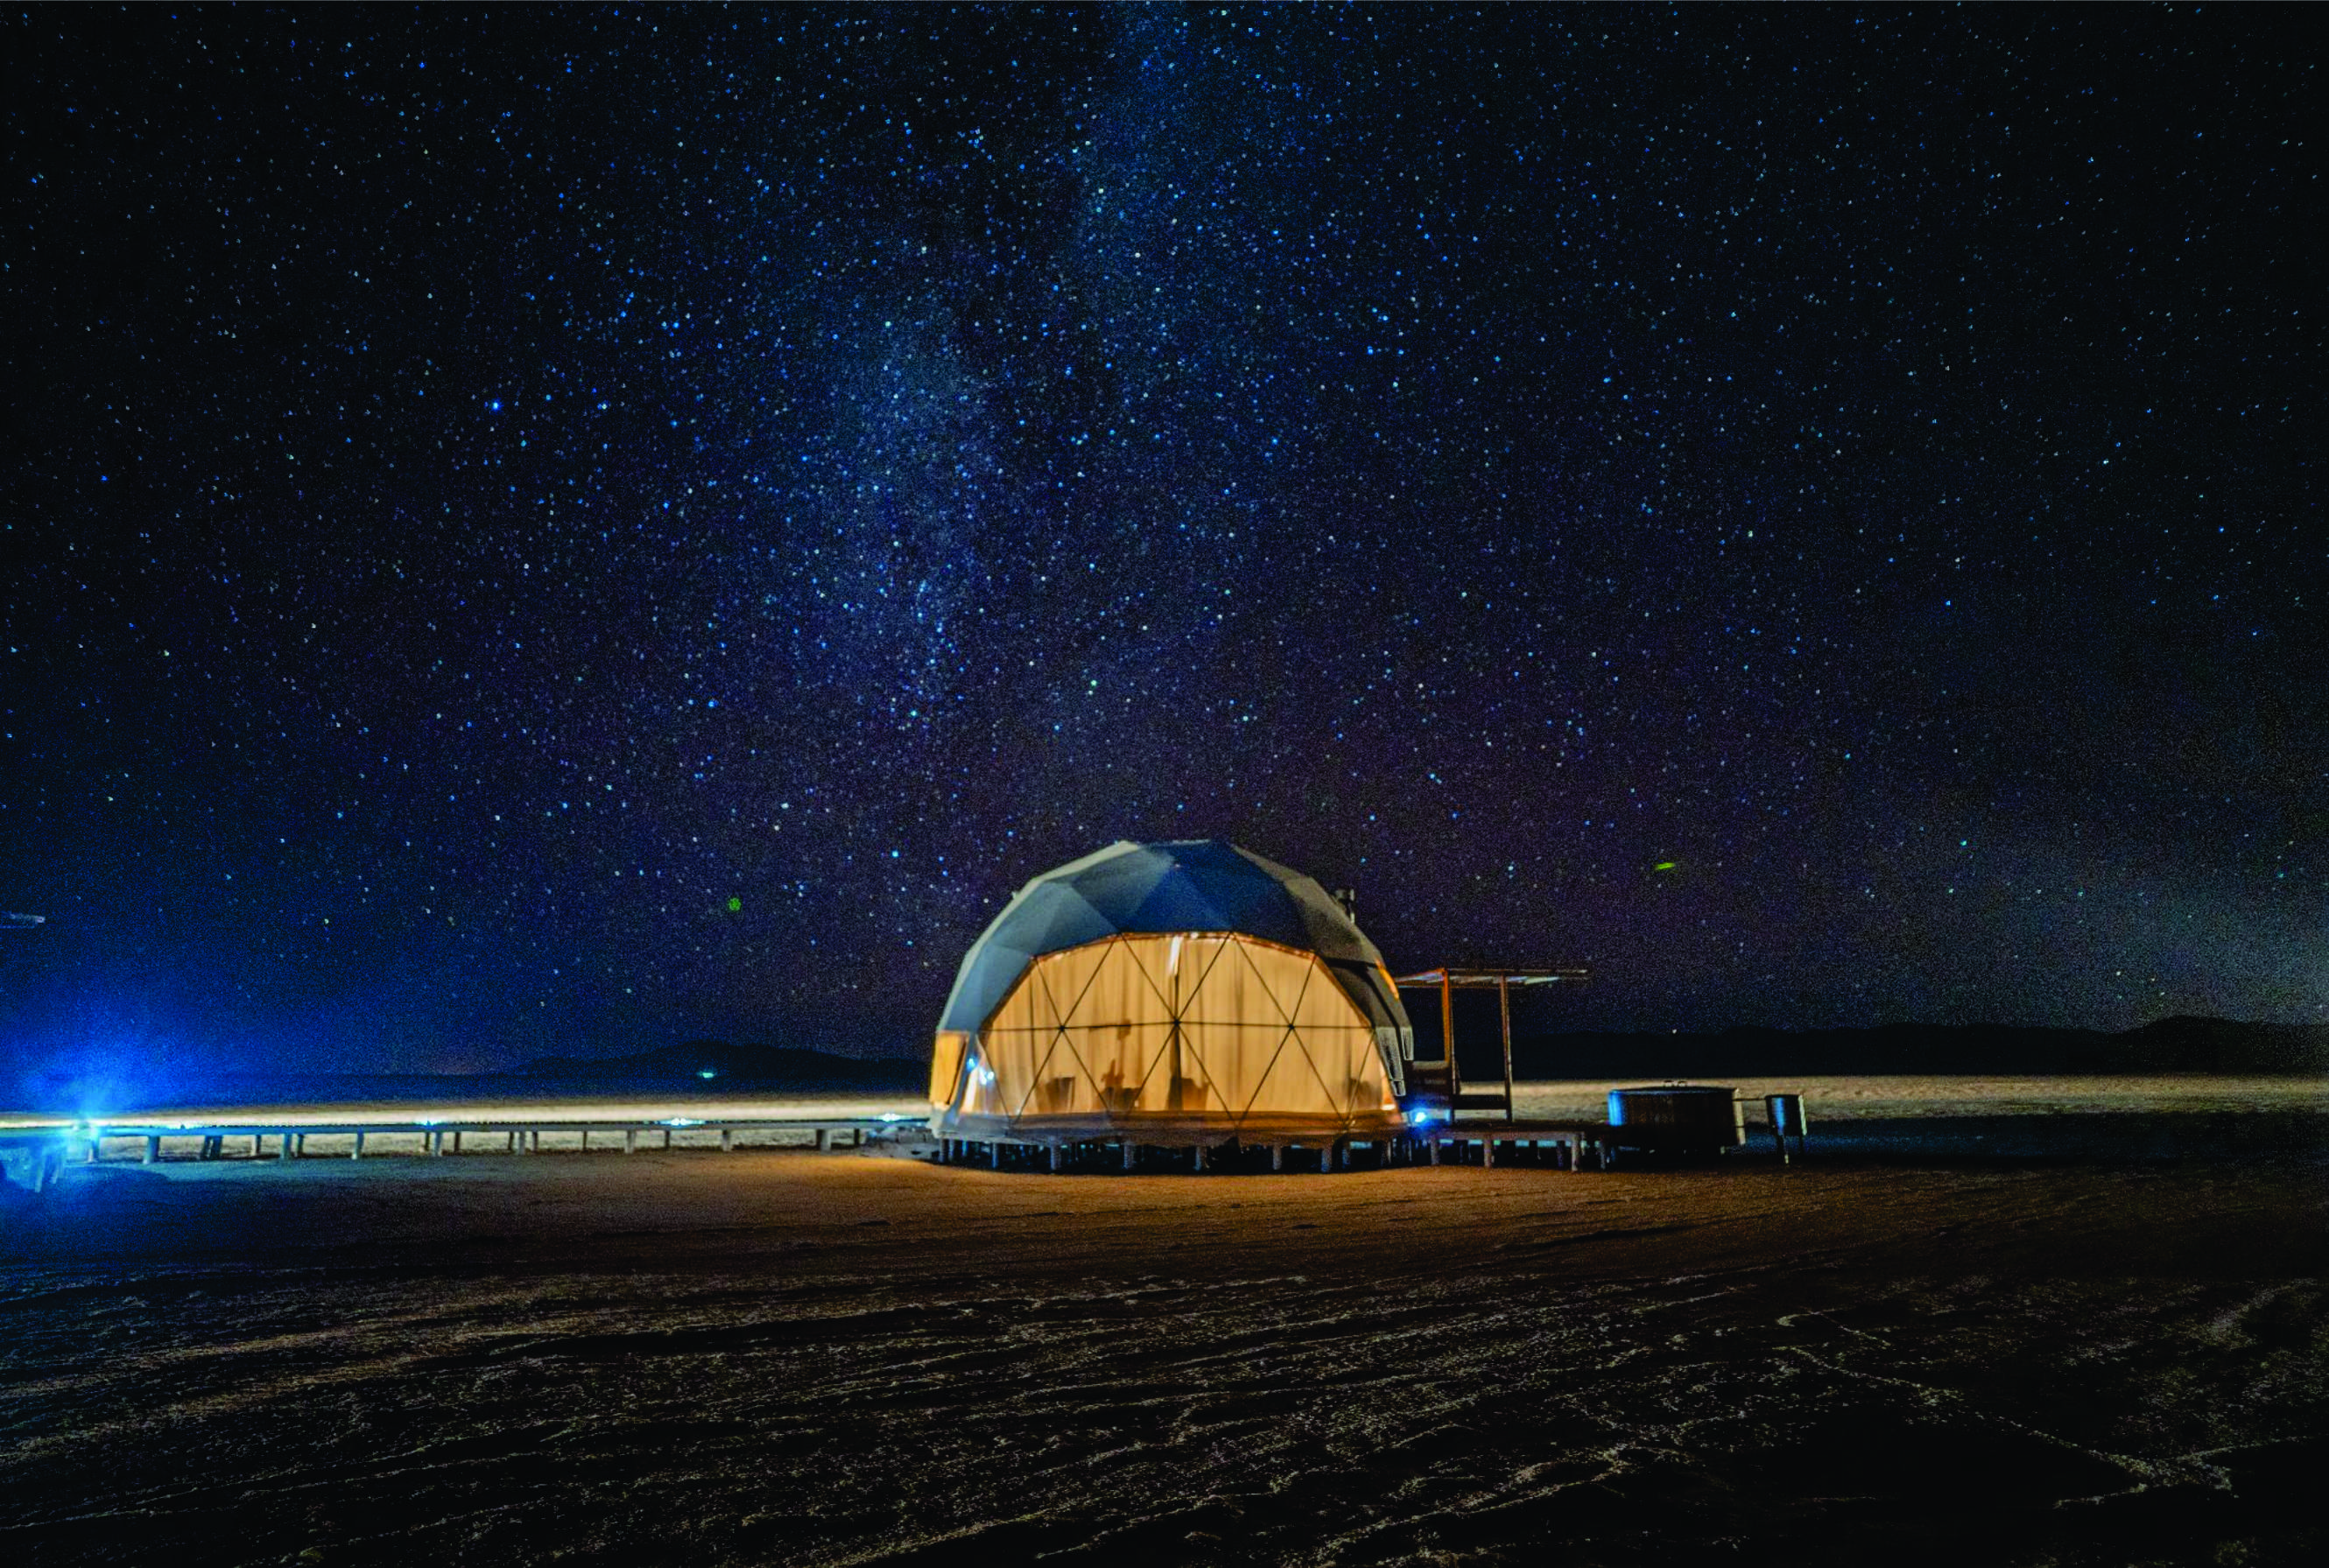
563, 530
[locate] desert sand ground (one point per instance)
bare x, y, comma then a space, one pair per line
2114, 1354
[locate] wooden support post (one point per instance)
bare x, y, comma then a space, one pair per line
666, 1138
257, 1138
358, 1152
1200, 1152
1435, 1149
630, 1141
1131, 1153
727, 1138
457, 1143
1487, 1154
1056, 1155
154, 1150
303, 1144
284, 1152
994, 1155
586, 1141
1447, 1038
823, 1139
1277, 1156
1504, 1019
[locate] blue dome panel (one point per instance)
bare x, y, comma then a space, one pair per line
1175, 885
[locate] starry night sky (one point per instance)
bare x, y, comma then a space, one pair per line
558, 531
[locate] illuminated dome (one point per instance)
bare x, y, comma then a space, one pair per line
1182, 992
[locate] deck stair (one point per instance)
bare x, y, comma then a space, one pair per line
1438, 1085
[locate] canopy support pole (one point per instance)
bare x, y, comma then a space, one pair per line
1504, 1018
1447, 1038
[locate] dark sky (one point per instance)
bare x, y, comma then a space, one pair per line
544, 530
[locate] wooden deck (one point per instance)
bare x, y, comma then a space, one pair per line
1553, 1144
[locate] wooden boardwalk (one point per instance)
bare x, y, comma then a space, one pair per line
41, 1151
32, 1156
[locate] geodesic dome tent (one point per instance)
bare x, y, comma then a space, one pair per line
1182, 992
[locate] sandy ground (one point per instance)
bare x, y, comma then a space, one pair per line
2093, 1357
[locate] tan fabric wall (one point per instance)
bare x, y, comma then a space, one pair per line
1219, 1026
945, 1065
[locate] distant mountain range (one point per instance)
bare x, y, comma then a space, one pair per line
2170, 1046
715, 1063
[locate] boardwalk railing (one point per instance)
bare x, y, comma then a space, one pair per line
41, 1151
